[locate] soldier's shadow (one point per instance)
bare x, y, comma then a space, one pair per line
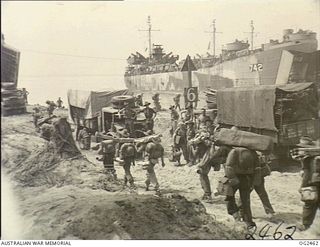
288, 218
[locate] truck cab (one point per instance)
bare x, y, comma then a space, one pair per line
112, 119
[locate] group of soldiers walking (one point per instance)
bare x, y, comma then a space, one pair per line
125, 151
245, 169
193, 136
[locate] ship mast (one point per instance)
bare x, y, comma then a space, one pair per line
251, 33
149, 30
214, 31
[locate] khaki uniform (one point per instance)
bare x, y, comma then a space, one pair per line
139, 100
154, 151
129, 117
36, 116
180, 142
127, 154
188, 115
213, 157
174, 121
176, 101
107, 150
59, 103
50, 108
25, 94
156, 101
311, 177
202, 120
261, 190
191, 150
149, 114
241, 164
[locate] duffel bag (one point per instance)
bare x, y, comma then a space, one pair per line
239, 138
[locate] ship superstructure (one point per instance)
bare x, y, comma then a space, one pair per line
239, 64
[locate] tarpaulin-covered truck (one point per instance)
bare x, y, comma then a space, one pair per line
85, 106
103, 112
283, 112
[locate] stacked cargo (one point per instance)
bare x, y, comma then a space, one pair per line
211, 98
12, 99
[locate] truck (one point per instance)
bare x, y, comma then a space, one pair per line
103, 112
12, 98
283, 112
112, 117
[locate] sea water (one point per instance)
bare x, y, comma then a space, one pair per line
50, 88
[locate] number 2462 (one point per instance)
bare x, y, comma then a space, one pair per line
263, 233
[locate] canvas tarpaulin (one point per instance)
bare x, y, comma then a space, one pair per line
91, 102
252, 106
246, 107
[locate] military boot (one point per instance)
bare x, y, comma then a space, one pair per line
207, 198
147, 186
237, 216
132, 185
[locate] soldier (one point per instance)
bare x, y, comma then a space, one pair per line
180, 140
174, 119
213, 157
188, 113
36, 116
25, 94
240, 167
107, 150
150, 115
175, 155
120, 133
139, 100
260, 186
129, 117
203, 118
153, 150
59, 103
191, 150
176, 100
262, 170
50, 107
127, 156
310, 186
156, 101
78, 125
84, 138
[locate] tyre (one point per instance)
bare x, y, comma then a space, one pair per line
118, 102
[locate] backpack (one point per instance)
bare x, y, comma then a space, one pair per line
107, 147
243, 160
127, 150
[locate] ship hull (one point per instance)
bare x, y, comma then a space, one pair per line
273, 66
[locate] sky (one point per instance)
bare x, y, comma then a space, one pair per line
100, 35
